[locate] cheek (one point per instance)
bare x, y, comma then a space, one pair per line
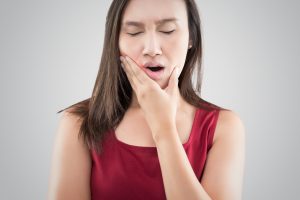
174, 50
129, 48
177, 51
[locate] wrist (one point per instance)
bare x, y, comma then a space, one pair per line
164, 133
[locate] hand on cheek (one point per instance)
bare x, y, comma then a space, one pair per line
159, 105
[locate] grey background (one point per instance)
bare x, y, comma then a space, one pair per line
49, 57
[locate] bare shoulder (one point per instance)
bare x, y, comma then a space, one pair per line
71, 163
67, 135
229, 124
224, 170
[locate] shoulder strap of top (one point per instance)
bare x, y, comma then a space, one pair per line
212, 128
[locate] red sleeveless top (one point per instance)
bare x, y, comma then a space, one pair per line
124, 171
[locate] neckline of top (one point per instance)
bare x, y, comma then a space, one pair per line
153, 148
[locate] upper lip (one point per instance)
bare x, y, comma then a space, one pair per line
152, 64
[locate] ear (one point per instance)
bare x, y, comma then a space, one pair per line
190, 44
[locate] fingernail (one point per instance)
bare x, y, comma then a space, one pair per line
121, 58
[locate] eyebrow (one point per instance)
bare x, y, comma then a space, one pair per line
158, 22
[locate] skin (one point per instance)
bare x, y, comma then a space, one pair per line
152, 44
153, 96
223, 173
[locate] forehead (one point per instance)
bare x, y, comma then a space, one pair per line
156, 11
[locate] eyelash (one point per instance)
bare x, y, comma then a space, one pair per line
168, 33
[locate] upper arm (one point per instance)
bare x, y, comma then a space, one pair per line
71, 163
223, 174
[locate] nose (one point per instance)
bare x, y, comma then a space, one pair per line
152, 45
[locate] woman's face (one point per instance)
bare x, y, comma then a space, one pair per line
144, 35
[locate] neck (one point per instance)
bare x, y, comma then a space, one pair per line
180, 101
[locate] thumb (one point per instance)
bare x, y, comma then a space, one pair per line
173, 81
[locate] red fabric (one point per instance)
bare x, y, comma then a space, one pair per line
124, 171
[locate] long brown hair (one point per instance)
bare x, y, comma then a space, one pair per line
112, 91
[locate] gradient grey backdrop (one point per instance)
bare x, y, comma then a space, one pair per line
50, 52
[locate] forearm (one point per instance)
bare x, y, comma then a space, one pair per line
180, 181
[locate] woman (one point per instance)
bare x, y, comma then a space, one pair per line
145, 133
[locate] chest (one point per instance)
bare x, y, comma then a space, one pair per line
134, 130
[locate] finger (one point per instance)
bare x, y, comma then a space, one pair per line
133, 76
173, 81
129, 76
138, 73
135, 82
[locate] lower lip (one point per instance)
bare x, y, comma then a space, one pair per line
155, 75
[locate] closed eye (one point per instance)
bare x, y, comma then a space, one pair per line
168, 32
133, 34
165, 32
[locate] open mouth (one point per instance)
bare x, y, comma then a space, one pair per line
155, 72
155, 69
